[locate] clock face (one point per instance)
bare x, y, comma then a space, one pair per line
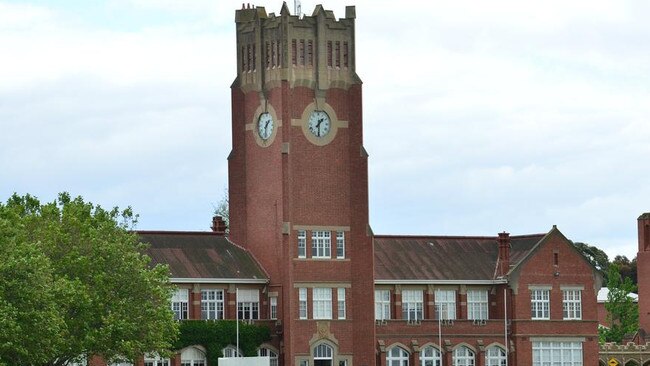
265, 125
319, 123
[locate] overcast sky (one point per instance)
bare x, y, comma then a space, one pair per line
480, 116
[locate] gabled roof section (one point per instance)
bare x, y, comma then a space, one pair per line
443, 258
201, 255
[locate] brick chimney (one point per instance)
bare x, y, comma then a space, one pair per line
644, 232
218, 225
504, 254
643, 271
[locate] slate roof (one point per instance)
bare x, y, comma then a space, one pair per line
444, 258
201, 255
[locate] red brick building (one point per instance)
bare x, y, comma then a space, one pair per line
305, 261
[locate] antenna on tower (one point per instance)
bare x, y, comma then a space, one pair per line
297, 8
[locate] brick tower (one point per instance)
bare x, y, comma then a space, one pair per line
643, 271
298, 181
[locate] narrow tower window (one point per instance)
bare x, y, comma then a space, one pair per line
301, 52
310, 52
345, 54
337, 56
329, 53
267, 55
294, 52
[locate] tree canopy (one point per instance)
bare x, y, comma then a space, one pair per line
74, 282
622, 311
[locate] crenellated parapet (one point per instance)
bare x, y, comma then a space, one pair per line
315, 51
624, 354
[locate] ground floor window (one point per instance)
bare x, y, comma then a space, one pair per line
430, 356
323, 355
463, 356
231, 351
397, 356
273, 357
557, 353
495, 356
193, 356
155, 360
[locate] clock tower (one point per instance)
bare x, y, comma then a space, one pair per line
298, 182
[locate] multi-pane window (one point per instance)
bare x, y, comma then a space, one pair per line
345, 54
337, 55
430, 356
179, 303
382, 304
211, 304
155, 360
340, 244
273, 307
463, 356
248, 304
273, 357
557, 353
267, 55
412, 305
445, 304
231, 351
397, 356
495, 356
302, 244
294, 52
192, 357
321, 244
572, 304
310, 52
323, 352
539, 304
329, 53
477, 304
340, 302
302, 303
322, 303
301, 52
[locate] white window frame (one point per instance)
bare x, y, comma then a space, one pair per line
464, 356
302, 244
212, 306
231, 351
397, 356
412, 305
477, 305
155, 360
322, 303
495, 356
192, 356
302, 303
321, 244
340, 245
248, 304
572, 304
179, 303
382, 304
273, 307
540, 304
568, 353
323, 352
430, 356
445, 301
340, 302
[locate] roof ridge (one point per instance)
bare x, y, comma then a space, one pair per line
387, 236
178, 232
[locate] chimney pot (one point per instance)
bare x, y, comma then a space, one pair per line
504, 253
218, 225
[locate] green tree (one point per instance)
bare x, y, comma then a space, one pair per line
622, 311
223, 208
596, 256
75, 282
626, 267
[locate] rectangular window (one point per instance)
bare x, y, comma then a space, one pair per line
277, 51
337, 55
329, 53
340, 244
254, 57
572, 304
294, 52
273, 307
302, 303
249, 57
243, 58
340, 301
301, 52
382, 304
302, 244
445, 301
310, 52
477, 304
557, 353
180, 300
267, 55
274, 55
412, 305
211, 304
248, 304
322, 303
345, 54
321, 244
539, 304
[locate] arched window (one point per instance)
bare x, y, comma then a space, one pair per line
155, 360
397, 356
192, 356
323, 355
430, 356
463, 356
495, 356
273, 357
230, 351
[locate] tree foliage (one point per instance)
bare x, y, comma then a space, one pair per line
75, 282
626, 267
622, 311
223, 208
596, 256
